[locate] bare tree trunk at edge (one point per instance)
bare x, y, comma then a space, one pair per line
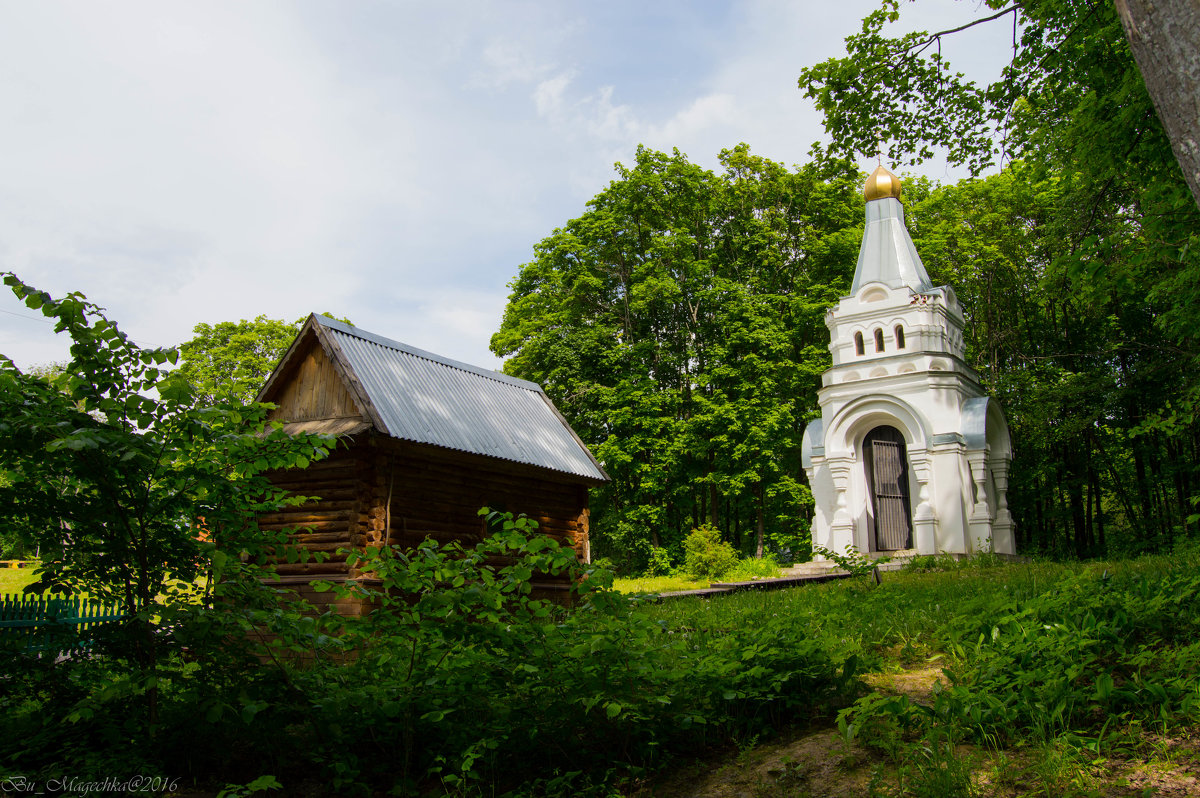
1165, 38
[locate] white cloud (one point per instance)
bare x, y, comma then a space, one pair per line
548, 96
505, 63
712, 111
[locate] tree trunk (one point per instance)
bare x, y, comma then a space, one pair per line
1150, 520
1165, 39
760, 530
1075, 505
1039, 505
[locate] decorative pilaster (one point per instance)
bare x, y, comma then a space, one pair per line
1003, 540
981, 514
842, 528
924, 518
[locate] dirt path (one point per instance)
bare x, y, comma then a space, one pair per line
813, 762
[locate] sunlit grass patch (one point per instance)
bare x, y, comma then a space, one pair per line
658, 584
14, 580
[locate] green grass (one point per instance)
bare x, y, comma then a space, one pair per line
909, 610
658, 584
747, 569
14, 580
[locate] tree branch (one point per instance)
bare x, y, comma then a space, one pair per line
936, 36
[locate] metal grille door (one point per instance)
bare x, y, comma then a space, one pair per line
891, 495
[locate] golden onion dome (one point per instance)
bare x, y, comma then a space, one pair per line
881, 184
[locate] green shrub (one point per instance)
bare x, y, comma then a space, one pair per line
660, 562
605, 563
930, 563
465, 679
706, 556
853, 561
790, 545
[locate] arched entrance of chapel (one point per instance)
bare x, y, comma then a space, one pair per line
885, 460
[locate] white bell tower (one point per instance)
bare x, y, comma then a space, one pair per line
909, 455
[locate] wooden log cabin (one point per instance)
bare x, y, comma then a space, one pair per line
423, 443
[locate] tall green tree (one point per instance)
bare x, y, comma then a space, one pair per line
679, 326
234, 358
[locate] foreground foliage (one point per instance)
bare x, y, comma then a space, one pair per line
465, 677
463, 680
467, 681
1069, 663
134, 496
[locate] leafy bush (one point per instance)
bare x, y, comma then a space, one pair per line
791, 545
114, 449
605, 564
136, 496
1092, 647
660, 562
1049, 654
706, 556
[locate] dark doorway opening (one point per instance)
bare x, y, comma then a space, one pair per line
886, 462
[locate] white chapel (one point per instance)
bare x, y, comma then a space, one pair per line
909, 455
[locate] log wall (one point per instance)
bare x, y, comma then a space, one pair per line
380, 491
335, 519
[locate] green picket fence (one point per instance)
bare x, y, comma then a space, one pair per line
58, 625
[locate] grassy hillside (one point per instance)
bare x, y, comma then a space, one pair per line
980, 678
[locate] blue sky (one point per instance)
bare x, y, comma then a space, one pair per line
390, 162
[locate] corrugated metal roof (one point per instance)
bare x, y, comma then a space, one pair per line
426, 398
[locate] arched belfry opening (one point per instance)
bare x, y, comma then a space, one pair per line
930, 471
885, 464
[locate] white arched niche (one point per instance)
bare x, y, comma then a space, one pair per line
851, 424
844, 440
